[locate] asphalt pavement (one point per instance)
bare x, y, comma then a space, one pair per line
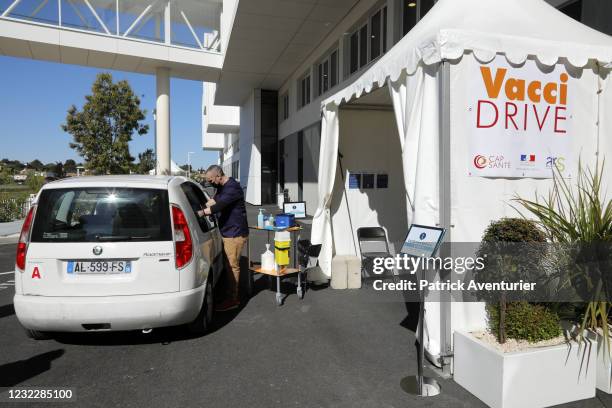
332, 349
10, 228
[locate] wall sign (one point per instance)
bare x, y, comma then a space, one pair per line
354, 181
367, 180
382, 181
519, 120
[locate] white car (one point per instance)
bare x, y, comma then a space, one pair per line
117, 253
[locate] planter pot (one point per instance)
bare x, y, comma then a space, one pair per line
604, 365
538, 377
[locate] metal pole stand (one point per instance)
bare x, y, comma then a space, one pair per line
419, 384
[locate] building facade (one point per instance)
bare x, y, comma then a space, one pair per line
283, 62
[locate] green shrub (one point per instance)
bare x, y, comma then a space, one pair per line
513, 249
513, 230
35, 183
11, 206
525, 321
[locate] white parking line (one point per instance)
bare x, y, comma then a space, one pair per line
11, 281
6, 273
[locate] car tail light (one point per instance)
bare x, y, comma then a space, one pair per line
24, 240
182, 238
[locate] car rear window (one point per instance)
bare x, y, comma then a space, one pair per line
102, 214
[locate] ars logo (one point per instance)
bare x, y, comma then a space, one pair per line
36, 273
555, 162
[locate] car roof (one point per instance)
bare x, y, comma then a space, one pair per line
131, 180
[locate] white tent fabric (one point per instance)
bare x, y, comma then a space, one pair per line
517, 29
604, 137
416, 106
174, 169
322, 227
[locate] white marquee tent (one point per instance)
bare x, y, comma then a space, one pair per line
432, 79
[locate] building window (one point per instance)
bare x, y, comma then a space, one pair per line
369, 41
413, 11
426, 5
573, 9
327, 72
384, 30
363, 46
354, 51
334, 69
285, 105
304, 91
376, 35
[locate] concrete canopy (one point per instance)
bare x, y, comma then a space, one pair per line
270, 39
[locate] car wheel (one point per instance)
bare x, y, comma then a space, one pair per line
37, 335
203, 322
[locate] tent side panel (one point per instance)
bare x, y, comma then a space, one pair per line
476, 201
370, 146
605, 130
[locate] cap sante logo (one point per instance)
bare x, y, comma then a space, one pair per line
494, 161
480, 162
530, 105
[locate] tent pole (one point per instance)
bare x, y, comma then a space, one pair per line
348, 209
446, 351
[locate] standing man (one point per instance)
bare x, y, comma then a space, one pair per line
228, 203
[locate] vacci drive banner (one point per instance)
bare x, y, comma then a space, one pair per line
519, 120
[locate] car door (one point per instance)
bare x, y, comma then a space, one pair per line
208, 243
215, 233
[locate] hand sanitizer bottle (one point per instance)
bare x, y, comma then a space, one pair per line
260, 218
271, 219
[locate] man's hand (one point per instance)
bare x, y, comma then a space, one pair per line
210, 203
204, 212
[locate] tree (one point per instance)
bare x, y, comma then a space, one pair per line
5, 178
146, 162
13, 166
36, 165
35, 183
58, 169
70, 166
104, 127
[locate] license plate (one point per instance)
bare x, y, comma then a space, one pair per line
98, 267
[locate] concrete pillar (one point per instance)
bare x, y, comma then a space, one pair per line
167, 24
162, 123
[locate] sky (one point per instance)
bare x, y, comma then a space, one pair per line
35, 96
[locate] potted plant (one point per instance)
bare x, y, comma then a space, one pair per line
523, 360
579, 220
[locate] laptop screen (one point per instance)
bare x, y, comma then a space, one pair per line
422, 241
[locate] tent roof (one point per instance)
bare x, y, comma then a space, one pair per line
516, 28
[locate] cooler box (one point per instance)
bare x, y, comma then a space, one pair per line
282, 245
285, 220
